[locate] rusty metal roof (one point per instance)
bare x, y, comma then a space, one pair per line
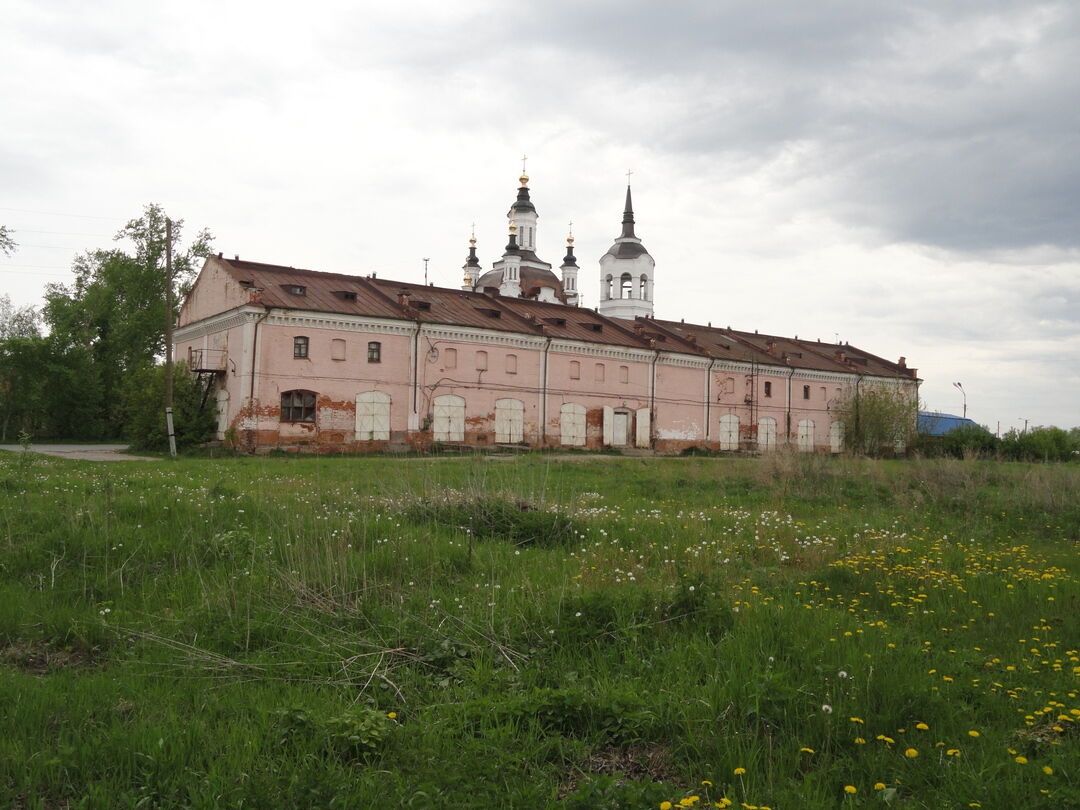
300, 289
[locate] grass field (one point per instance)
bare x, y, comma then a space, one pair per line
785, 632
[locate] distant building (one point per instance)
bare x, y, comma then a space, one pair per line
306, 359
938, 424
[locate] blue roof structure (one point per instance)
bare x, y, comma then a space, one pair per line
938, 424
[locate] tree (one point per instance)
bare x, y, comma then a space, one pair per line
18, 321
880, 419
7, 244
116, 305
144, 418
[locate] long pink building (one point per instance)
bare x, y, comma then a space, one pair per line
321, 361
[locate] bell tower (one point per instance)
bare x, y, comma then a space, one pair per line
626, 273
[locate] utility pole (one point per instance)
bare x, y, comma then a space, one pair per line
169, 338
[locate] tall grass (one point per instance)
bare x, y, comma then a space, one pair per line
601, 632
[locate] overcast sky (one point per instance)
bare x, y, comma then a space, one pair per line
901, 175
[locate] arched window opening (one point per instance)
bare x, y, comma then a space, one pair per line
607, 287
643, 289
627, 286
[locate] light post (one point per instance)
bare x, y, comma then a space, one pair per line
960, 388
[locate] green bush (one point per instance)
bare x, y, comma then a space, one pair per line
143, 409
1041, 444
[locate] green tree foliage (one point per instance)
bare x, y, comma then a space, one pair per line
1041, 444
116, 305
143, 414
879, 419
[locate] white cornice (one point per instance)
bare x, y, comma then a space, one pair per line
601, 350
683, 360
218, 323
469, 334
343, 323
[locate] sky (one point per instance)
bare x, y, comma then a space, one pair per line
902, 175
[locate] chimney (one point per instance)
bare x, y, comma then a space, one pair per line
771, 347
841, 356
903, 362
403, 298
236, 257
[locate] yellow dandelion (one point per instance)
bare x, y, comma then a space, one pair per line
973, 733
706, 783
1022, 760
953, 752
879, 785
1048, 770
856, 719
849, 789
392, 715
665, 805
806, 750
922, 727
860, 741
911, 753
739, 771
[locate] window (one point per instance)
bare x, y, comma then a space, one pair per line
337, 349
598, 372
575, 370
626, 284
295, 289
298, 406
624, 374
806, 392
607, 286
300, 347
768, 389
644, 290
481, 361
374, 352
450, 358
511, 364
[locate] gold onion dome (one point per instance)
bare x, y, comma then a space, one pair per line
524, 179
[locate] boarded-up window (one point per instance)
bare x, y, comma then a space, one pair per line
729, 432
624, 374
450, 358
836, 436
511, 364
575, 370
766, 433
337, 349
572, 424
481, 361
448, 424
806, 434
509, 420
598, 372
373, 416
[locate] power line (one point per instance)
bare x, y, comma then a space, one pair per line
59, 214
60, 233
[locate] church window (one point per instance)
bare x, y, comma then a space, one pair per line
626, 282
450, 358
607, 287
575, 370
481, 361
511, 364
643, 292
624, 374
599, 372
806, 392
298, 406
768, 388
374, 352
337, 349
300, 346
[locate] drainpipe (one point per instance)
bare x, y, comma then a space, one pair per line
652, 394
415, 381
788, 418
858, 382
254, 354
543, 392
708, 397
